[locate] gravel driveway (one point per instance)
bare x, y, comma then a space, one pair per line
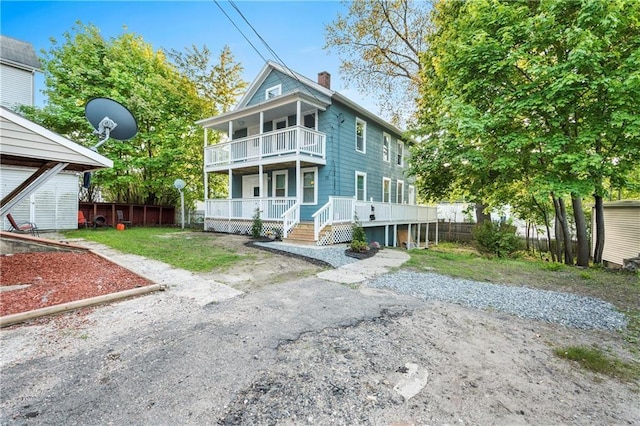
307, 351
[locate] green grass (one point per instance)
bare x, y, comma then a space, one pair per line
197, 252
596, 360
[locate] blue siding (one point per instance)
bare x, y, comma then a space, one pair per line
288, 85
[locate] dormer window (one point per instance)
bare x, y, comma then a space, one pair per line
272, 92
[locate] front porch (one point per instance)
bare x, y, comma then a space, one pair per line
332, 223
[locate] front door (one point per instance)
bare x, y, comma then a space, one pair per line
251, 189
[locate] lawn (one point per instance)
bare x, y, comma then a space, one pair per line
193, 251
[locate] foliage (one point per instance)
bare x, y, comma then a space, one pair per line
379, 42
358, 236
524, 98
359, 246
164, 101
197, 252
497, 238
596, 360
256, 226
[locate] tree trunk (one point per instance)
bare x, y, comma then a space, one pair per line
568, 252
599, 215
558, 228
546, 225
481, 216
581, 231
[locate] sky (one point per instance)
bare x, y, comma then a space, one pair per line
293, 29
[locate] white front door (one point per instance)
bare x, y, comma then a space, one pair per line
251, 186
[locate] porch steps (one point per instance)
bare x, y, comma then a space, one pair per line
302, 233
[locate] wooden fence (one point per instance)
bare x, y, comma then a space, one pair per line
452, 231
138, 215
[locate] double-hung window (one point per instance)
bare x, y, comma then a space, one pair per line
386, 190
361, 186
361, 135
400, 161
386, 145
400, 192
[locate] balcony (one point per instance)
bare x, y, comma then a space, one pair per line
268, 148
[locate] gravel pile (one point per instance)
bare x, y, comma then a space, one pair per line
333, 255
551, 306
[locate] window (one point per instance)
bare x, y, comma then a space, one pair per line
386, 190
400, 153
309, 187
400, 192
280, 184
361, 186
272, 92
361, 136
386, 144
412, 194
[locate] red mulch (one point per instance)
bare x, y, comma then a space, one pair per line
60, 277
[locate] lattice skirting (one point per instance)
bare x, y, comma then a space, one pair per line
339, 233
240, 226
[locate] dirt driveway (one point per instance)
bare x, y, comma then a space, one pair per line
278, 345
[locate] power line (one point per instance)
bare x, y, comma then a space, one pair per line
239, 30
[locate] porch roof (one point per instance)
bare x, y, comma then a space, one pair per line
274, 108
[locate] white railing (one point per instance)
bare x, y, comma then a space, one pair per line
342, 209
292, 140
290, 218
245, 208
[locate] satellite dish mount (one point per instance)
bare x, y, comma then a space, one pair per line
110, 119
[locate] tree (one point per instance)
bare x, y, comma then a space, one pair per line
165, 103
379, 43
219, 84
542, 91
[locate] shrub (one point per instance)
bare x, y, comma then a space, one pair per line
497, 238
256, 227
357, 231
359, 246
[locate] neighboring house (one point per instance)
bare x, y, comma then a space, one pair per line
621, 232
27, 149
18, 65
308, 158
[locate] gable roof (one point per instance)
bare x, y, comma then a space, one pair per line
19, 54
270, 65
27, 144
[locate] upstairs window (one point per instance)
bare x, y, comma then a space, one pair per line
400, 192
400, 153
272, 92
361, 135
386, 144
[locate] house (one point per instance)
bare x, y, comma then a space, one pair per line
39, 169
621, 232
309, 161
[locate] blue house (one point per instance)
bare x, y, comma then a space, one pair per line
310, 161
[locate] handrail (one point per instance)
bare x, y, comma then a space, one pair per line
321, 218
289, 222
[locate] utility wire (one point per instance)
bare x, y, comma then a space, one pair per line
239, 30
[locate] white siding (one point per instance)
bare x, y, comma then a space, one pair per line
22, 142
16, 86
54, 206
621, 232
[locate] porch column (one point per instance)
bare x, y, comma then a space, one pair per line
419, 229
206, 181
260, 131
230, 185
299, 181
260, 171
409, 236
386, 235
426, 237
298, 124
395, 235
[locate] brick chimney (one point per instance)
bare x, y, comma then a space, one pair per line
324, 79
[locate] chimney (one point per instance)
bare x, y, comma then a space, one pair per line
324, 79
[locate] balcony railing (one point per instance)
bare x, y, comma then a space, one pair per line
342, 209
245, 208
296, 140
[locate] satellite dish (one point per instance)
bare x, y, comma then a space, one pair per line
179, 184
110, 119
